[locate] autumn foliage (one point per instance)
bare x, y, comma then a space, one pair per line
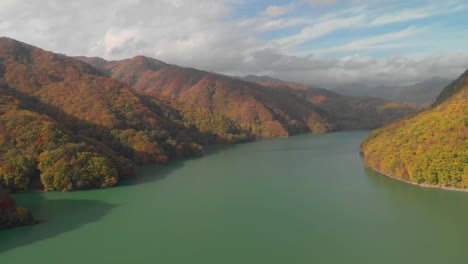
234, 110
67, 125
63, 122
430, 148
344, 112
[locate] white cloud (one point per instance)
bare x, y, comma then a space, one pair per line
114, 42
386, 41
431, 10
174, 30
318, 30
268, 20
266, 24
321, 2
363, 69
401, 16
276, 11
202, 34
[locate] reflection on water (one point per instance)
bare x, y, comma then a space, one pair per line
55, 216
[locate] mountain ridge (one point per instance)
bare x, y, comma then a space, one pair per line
69, 112
429, 148
67, 125
191, 86
421, 94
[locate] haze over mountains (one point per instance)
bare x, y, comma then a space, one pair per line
422, 93
260, 79
347, 112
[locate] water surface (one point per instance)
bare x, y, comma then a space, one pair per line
305, 199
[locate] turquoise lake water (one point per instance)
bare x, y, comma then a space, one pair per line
305, 199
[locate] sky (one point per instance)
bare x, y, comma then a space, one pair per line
322, 42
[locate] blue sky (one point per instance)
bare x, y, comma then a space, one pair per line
374, 28
321, 42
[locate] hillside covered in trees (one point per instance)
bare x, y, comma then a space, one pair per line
219, 104
66, 125
429, 148
226, 105
346, 112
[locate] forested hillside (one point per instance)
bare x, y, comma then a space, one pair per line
347, 112
215, 103
263, 110
430, 148
66, 123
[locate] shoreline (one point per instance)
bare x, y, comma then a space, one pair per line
423, 185
208, 148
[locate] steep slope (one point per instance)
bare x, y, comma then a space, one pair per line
347, 112
226, 106
421, 93
65, 121
24, 136
267, 109
429, 148
452, 89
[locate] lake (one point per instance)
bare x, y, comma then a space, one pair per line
305, 199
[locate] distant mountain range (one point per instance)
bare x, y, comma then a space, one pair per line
260, 79
71, 124
429, 148
267, 108
346, 112
423, 93
420, 94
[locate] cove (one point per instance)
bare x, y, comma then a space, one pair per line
304, 199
